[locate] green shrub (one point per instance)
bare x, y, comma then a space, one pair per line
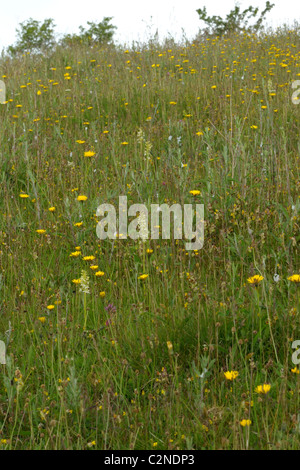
235, 21
97, 33
34, 36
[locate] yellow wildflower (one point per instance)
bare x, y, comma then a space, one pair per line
294, 278
195, 192
245, 422
265, 388
231, 375
255, 279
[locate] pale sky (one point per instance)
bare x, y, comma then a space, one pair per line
135, 20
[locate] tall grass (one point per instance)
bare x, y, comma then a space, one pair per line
140, 363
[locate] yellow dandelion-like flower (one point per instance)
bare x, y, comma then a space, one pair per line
88, 258
295, 371
81, 197
75, 254
231, 375
24, 196
50, 307
42, 319
99, 273
102, 294
294, 278
143, 276
40, 230
195, 192
51, 209
255, 279
90, 153
245, 422
76, 281
265, 388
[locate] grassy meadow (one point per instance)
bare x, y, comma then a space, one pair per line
130, 345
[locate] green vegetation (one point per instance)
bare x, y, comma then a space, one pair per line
235, 21
34, 36
131, 345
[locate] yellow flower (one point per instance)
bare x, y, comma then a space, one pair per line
231, 375
245, 422
75, 254
76, 281
23, 196
143, 276
81, 198
102, 294
89, 154
99, 273
40, 231
78, 224
51, 209
255, 279
42, 319
265, 388
294, 278
124, 143
295, 371
195, 192
50, 307
91, 444
80, 141
88, 258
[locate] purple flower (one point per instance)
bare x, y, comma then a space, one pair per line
110, 308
